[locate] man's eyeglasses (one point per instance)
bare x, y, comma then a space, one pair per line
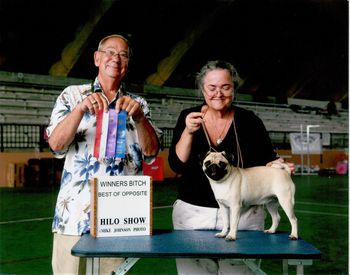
110, 53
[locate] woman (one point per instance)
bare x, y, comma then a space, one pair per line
221, 126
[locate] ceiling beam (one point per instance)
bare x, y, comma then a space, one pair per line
168, 65
75, 48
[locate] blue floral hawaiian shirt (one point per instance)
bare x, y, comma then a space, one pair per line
73, 202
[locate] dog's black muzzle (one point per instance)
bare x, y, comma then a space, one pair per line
215, 171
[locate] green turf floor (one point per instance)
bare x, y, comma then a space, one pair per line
321, 209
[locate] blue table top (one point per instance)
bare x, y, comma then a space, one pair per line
197, 244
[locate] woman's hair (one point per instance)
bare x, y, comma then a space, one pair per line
103, 40
214, 65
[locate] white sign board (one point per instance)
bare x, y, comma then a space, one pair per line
301, 145
121, 206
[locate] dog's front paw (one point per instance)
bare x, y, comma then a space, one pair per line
269, 231
220, 235
293, 238
230, 238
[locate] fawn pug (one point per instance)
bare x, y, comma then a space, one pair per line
236, 187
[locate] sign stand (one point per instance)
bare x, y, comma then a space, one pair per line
121, 206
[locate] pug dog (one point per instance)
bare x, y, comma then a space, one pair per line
235, 187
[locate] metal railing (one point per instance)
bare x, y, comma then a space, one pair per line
24, 137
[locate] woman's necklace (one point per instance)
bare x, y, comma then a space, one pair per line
238, 147
219, 140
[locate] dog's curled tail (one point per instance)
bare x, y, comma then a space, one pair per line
281, 165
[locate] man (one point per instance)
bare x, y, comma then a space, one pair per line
71, 134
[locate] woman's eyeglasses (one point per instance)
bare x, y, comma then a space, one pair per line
212, 89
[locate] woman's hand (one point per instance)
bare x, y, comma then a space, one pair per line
194, 122
291, 165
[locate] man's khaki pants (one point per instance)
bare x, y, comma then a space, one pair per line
65, 263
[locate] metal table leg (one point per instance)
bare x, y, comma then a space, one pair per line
125, 266
92, 266
298, 263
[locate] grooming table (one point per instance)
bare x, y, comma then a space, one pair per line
197, 244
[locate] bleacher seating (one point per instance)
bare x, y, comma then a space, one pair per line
276, 119
32, 103
34, 106
283, 119
20, 105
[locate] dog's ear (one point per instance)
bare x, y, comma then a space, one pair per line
230, 157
